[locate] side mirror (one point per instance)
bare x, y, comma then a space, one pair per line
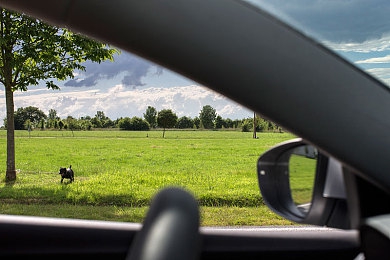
303, 185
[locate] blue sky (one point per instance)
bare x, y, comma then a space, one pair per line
358, 30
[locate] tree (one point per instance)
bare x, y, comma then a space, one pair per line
220, 122
150, 116
108, 123
101, 120
52, 118
42, 124
32, 51
138, 124
96, 123
197, 122
100, 115
237, 123
207, 117
33, 114
185, 122
125, 123
84, 123
229, 123
61, 124
246, 125
52, 114
166, 119
71, 122
135, 124
263, 124
28, 126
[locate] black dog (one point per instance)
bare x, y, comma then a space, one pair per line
67, 173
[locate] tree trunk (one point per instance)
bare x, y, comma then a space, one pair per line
164, 133
7, 57
9, 100
254, 125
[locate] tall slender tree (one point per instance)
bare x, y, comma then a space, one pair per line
166, 118
150, 116
32, 51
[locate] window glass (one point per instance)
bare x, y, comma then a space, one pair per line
359, 31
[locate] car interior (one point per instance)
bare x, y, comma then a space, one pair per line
250, 56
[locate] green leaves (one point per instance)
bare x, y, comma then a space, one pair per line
32, 51
166, 119
150, 115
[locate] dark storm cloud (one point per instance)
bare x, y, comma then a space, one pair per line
131, 68
133, 77
88, 81
335, 20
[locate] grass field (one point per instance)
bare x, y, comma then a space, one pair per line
302, 173
117, 173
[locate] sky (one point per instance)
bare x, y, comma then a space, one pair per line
357, 30
125, 87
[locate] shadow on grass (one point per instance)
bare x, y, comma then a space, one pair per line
41, 195
10, 183
72, 194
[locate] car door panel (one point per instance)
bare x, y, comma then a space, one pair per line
49, 237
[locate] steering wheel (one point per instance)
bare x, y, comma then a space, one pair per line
170, 229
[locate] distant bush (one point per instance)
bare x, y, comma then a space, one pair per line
139, 124
185, 122
134, 124
246, 126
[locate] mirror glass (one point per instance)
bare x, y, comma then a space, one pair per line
302, 170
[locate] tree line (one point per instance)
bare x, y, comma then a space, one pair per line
30, 118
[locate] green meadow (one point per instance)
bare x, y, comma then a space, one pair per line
118, 172
302, 172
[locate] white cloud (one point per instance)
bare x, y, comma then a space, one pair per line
120, 101
381, 73
385, 59
230, 109
372, 45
